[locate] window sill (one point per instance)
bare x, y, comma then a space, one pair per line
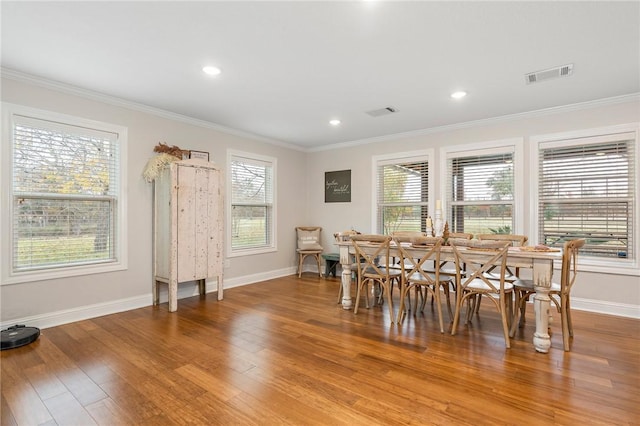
251, 252
630, 269
25, 277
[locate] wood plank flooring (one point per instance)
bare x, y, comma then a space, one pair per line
284, 352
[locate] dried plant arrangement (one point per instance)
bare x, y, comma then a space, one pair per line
166, 155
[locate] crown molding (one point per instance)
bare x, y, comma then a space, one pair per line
633, 97
124, 103
112, 100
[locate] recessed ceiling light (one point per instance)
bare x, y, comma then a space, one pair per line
458, 95
334, 122
211, 70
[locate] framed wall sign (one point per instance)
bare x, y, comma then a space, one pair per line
337, 187
202, 155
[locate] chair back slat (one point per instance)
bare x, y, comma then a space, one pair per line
461, 235
514, 239
409, 234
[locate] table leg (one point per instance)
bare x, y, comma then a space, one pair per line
346, 286
541, 304
345, 262
542, 273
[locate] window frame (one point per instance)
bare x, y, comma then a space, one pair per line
7, 274
272, 246
515, 146
611, 265
426, 155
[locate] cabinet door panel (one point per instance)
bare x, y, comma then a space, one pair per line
216, 224
186, 223
201, 220
162, 224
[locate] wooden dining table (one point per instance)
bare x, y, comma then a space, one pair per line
540, 262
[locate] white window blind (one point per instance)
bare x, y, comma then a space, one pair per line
252, 204
64, 195
402, 194
587, 190
480, 194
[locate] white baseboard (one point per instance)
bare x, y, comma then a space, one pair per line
604, 307
53, 319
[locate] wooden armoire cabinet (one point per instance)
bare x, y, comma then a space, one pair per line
188, 227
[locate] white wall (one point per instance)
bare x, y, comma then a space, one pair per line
608, 293
45, 303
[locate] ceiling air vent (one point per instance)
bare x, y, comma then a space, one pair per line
537, 77
382, 111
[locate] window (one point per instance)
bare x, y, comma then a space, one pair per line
481, 188
252, 209
402, 194
586, 189
65, 213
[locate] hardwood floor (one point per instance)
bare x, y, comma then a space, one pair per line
283, 352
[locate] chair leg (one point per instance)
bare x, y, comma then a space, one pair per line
523, 308
387, 292
471, 305
476, 304
417, 297
319, 268
516, 309
445, 287
368, 288
567, 307
566, 328
509, 302
456, 314
505, 322
300, 259
359, 286
436, 296
403, 294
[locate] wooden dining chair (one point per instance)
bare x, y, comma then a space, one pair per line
308, 245
474, 282
395, 260
415, 276
515, 240
373, 268
560, 294
447, 271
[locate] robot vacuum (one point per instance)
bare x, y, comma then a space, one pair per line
18, 335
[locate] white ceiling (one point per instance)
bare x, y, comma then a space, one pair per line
290, 67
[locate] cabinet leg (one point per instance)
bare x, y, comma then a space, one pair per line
220, 287
173, 295
155, 293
